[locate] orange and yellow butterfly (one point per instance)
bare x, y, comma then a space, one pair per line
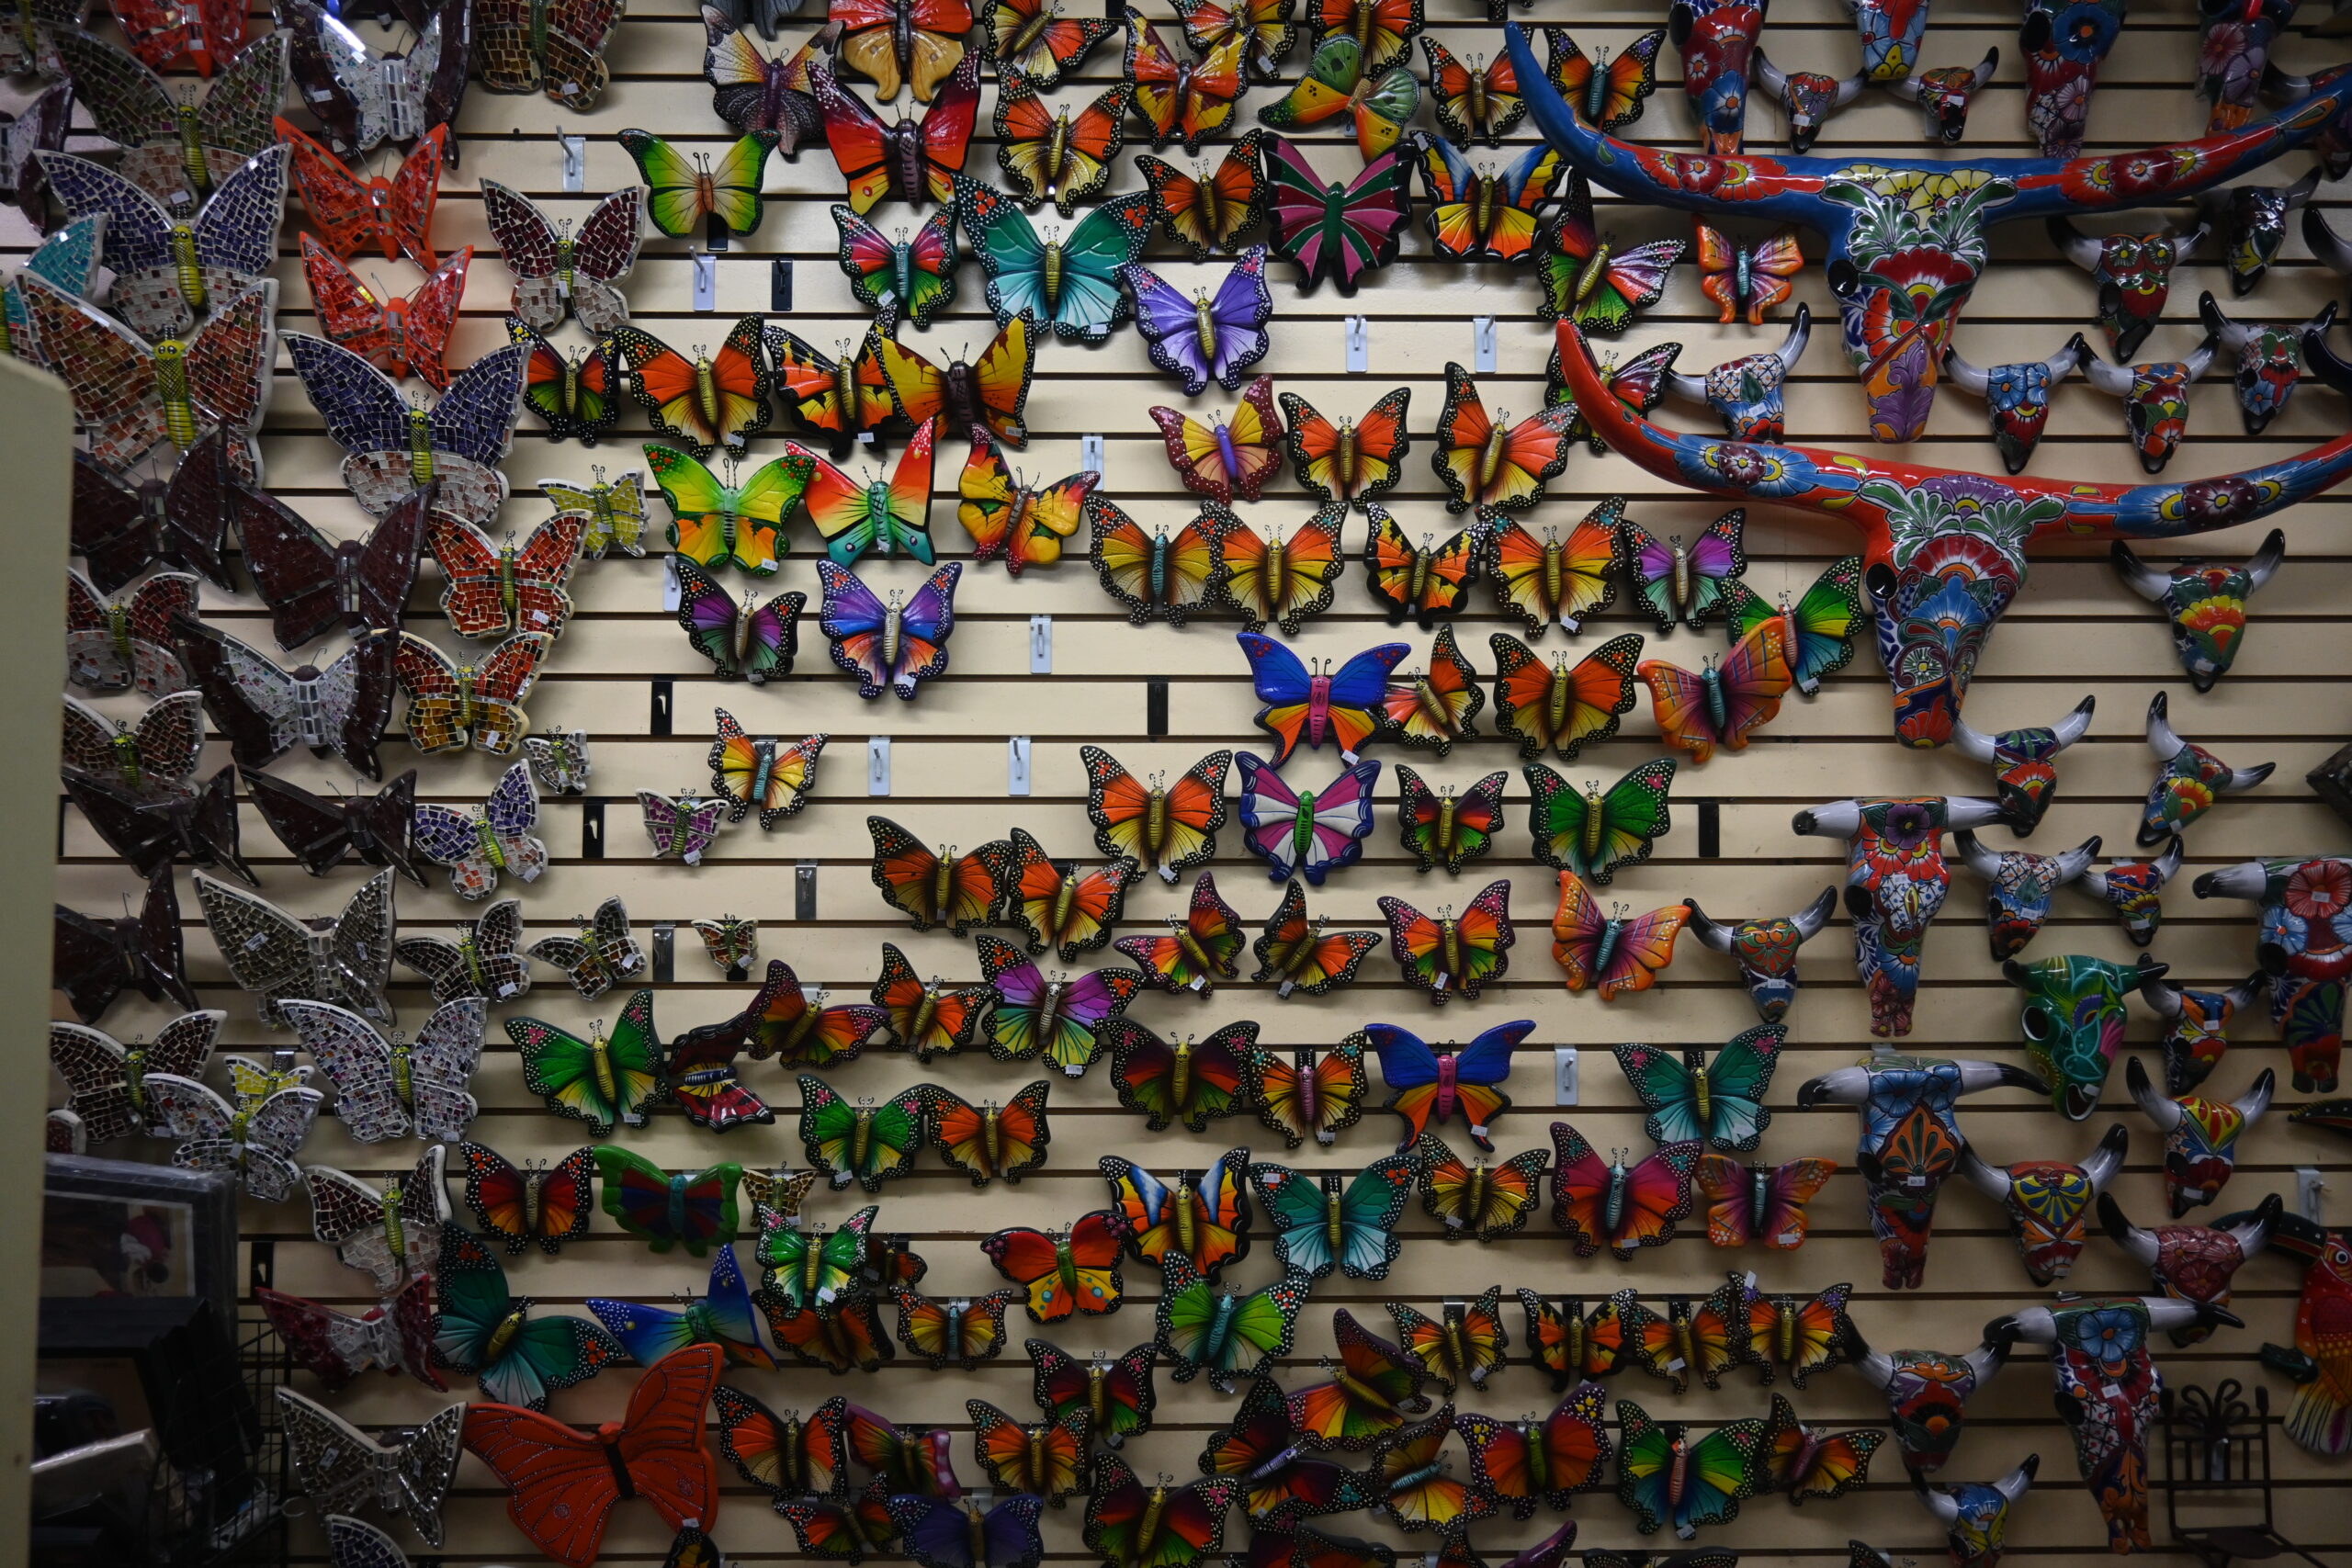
1386, 28
1720, 704
1181, 98
1308, 1094
1418, 1487
1221, 460
757, 772
1423, 582
1558, 706
992, 392
1551, 579
1067, 910
845, 1335
1569, 1345
1208, 211
1263, 27
935, 889
925, 1017
1473, 103
1429, 1085
706, 402
1035, 35
959, 1332
1072, 1270
1199, 949
1204, 1215
1607, 95
841, 398
1354, 459
1464, 1344
1707, 1338
1486, 462
1480, 214
1612, 954
1542, 1463
1009, 519
1480, 1200
1375, 1387
987, 1140
1806, 1337
1280, 580
1158, 577
1166, 828
1063, 158
1047, 1459
1806, 1463
1301, 956
1434, 709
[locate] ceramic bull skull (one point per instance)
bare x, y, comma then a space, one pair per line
2073, 1019
2025, 763
2134, 272
2192, 1263
2065, 41
2019, 888
2048, 1201
1943, 96
1895, 881
1910, 1142
2205, 602
1716, 40
2107, 1390
2303, 942
2200, 1134
2267, 358
2190, 779
2155, 399
1749, 394
2017, 397
2233, 53
2134, 890
2196, 1026
1926, 1395
2252, 220
1765, 950
1806, 97
1975, 1514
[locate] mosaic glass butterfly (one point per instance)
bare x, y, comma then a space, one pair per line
394, 1086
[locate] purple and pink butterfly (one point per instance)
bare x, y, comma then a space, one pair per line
888, 647
1309, 835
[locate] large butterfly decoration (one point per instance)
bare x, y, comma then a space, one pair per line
1060, 157
695, 1209
987, 1141
1561, 706
681, 827
615, 514
915, 42
1071, 1272
1324, 1223
1221, 460
1309, 1093
497, 591
1181, 99
706, 401
1479, 102
1748, 280
1374, 1388
562, 1484
1428, 1087
696, 196
1155, 576
1283, 580
1188, 1080
1609, 92
1760, 1203
1010, 519
1612, 954
311, 584
559, 272
1418, 1488
1308, 833
392, 1088
148, 834
578, 394
1440, 828
885, 518
1471, 1198
1448, 955
1263, 1450
1034, 37
1465, 1344
1541, 1462
1387, 27
233, 234
1060, 1019
1593, 831
1719, 1100
153, 759
752, 92
605, 1080
463, 442
1354, 460
715, 523
786, 1455
1666, 1477
337, 1346
399, 337
1069, 282
1608, 1203
557, 49
394, 215
1426, 581
914, 279
345, 960
722, 1317
1487, 462
967, 398
321, 834
392, 1234
363, 97
1480, 214
925, 1016
934, 888
1342, 706
1115, 1394
1338, 231
116, 644
533, 1205
252, 1141
341, 1468
1049, 1460
451, 707
1819, 627
1207, 210
744, 640
1722, 704
1230, 1337
1551, 579
198, 36
1590, 282
106, 1080
175, 152
1202, 1215
894, 647
1434, 708
1058, 907
1199, 949
1209, 336
482, 961
1380, 99
908, 159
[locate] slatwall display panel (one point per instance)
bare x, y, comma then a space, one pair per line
624, 674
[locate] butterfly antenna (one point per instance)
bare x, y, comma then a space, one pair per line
597, 469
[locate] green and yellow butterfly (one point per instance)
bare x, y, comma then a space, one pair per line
713, 523
1202, 1330
689, 189
1320, 1225
1380, 102
603, 1080
805, 1266
1821, 624
1667, 1478
864, 1143
1593, 831
484, 1331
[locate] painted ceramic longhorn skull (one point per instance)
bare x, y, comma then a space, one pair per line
1765, 950
2025, 763
2190, 779
2200, 1134
2155, 399
1749, 394
2048, 1201
1926, 1395
2204, 602
2073, 1019
1975, 1514
2268, 357
2019, 888
2017, 397
2303, 942
2133, 272
2196, 1026
1807, 98
1716, 39
2134, 890
2064, 43
1944, 94
2192, 1263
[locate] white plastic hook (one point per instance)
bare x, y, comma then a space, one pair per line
2309, 1185
1017, 766
1482, 345
1359, 342
1564, 1074
1041, 645
1090, 454
705, 281
877, 765
575, 160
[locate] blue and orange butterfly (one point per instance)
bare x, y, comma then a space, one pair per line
1344, 707
1429, 1086
1202, 1215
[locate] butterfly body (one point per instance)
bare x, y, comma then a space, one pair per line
1310, 833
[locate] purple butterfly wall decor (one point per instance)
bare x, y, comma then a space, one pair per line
1206, 337
681, 826
752, 640
895, 646
495, 836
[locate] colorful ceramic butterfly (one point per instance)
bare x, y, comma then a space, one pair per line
321, 834
1061, 1018
339, 1467
841, 1529
1312, 833
1310, 1094
399, 337
1665, 1477
265, 711
616, 513
603, 1080
394, 215
1181, 99
1188, 1080
1154, 576
695, 1209
1354, 460
335, 1347
1380, 99
943, 888
175, 149
894, 647
197, 36
845, 1337
496, 590
919, 42
1545, 1461
914, 278
1594, 831
1423, 582
1284, 579
1720, 1101
681, 827
1609, 1203
1589, 281
1060, 908
909, 159
1204, 1215
940, 1533
761, 771
559, 273
1449, 953
1428, 1086
1063, 158
1076, 1270
542, 1205
1034, 36
988, 1140
744, 641
1805, 1335
1563, 708
1319, 1226
1200, 949
714, 525
925, 1017
1547, 580
1221, 460
1819, 627
848, 399
485, 1332
1805, 1463
344, 959
1708, 1339
1569, 1345
1691, 583
1479, 102
363, 97
864, 1143
1434, 708
393, 453
452, 707
690, 197
965, 398
1207, 337
252, 1141
1487, 462
1230, 1337
1344, 707
1261, 1450
723, 1317
704, 402
577, 394
1336, 231
1747, 279
1608, 94
1168, 827
1208, 211
482, 961
1481, 215
808, 1267
732, 944
1069, 282
557, 50
391, 1088
1387, 27
785, 1456
313, 584
234, 236
1417, 1490
1376, 1385
1612, 954
1115, 1397
795, 1026
1476, 1199
1720, 704
750, 92
886, 517
1763, 1203
93, 962
703, 1082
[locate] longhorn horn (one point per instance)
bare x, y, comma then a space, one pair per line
1815, 915
2150, 969
1793, 347
1986, 67
2253, 1232
2257, 1099
2061, 364
1989, 1180
2264, 561
2245, 990
2167, 864
2164, 998
1977, 1077
1971, 743
1876, 1366
2162, 739
2108, 1158
2073, 862
1689, 389
1986, 1359
1773, 80
2115, 380
1972, 379
1712, 935
2139, 1244
2034, 1326
1839, 819
1841, 1086
2323, 362
2200, 358
2078, 247
2328, 247
1945, 1509
2013, 1485
2167, 1313
1970, 811
2218, 325
2155, 1107
2138, 575
2077, 722
2246, 880
1984, 862
2015, 973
